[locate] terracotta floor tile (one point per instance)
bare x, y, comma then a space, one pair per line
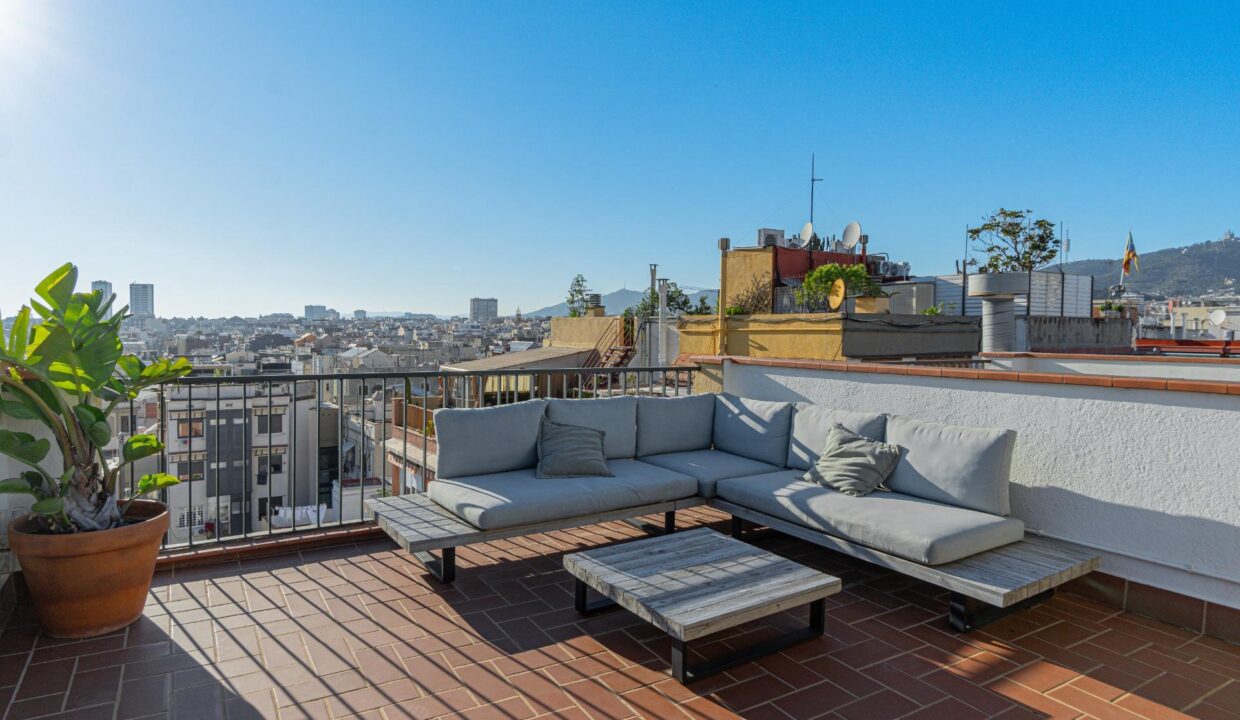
337, 632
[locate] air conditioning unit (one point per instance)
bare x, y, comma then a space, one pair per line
770, 237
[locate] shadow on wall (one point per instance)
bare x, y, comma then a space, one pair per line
1209, 541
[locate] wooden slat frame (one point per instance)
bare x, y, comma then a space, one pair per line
1001, 577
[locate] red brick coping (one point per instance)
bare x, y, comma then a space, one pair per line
1112, 381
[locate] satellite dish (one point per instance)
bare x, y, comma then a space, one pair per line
807, 233
1218, 317
852, 235
835, 297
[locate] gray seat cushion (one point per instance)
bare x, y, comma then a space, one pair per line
617, 417
912, 528
476, 441
962, 466
675, 424
710, 466
509, 499
756, 429
811, 423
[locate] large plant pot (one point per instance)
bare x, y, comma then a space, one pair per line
91, 583
998, 284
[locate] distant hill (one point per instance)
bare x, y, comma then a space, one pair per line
616, 303
1199, 269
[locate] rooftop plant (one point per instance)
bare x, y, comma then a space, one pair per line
1014, 242
817, 285
66, 370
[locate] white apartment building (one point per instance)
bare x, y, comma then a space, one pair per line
104, 288
142, 299
483, 310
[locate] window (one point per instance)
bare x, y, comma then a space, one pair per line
195, 470
276, 501
125, 424
191, 517
189, 428
276, 423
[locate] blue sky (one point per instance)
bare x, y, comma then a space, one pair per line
255, 157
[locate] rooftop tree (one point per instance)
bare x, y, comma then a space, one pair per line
1013, 241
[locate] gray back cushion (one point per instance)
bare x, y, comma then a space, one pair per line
675, 424
615, 416
476, 441
961, 466
570, 451
811, 423
756, 429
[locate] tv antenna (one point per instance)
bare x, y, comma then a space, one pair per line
813, 178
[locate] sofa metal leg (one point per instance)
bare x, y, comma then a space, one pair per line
442, 567
966, 613
669, 521
738, 528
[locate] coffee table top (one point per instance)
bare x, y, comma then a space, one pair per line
697, 582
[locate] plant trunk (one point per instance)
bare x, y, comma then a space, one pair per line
88, 504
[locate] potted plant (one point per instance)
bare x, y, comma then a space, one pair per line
868, 295
87, 553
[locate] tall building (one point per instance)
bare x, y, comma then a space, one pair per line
105, 290
142, 299
316, 312
359, 314
483, 309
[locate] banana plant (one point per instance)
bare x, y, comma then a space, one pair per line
67, 370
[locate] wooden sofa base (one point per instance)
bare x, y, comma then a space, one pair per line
984, 587
419, 526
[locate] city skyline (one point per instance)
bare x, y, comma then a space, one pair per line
387, 171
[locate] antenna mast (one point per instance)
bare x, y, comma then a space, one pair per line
812, 180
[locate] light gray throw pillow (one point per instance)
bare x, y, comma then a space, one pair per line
852, 464
570, 451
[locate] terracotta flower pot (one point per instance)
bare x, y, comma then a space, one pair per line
90, 583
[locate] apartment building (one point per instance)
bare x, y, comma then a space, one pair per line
483, 310
142, 299
104, 288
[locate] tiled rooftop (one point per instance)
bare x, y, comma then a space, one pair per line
361, 631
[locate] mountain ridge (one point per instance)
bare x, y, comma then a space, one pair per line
1197, 269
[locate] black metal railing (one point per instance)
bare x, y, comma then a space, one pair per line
266, 454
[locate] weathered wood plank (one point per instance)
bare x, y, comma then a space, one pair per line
698, 582
417, 523
1002, 577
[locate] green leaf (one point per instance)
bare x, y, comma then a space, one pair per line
19, 410
23, 446
95, 423
19, 334
57, 288
48, 506
16, 485
73, 366
155, 481
131, 366
140, 446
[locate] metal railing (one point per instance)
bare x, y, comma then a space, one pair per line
266, 454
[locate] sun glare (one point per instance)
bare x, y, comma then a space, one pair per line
25, 32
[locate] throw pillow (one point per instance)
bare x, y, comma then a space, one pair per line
570, 451
852, 464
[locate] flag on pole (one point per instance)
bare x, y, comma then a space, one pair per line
1130, 256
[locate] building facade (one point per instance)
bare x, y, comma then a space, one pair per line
482, 310
104, 288
142, 299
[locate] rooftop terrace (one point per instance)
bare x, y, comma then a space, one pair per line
359, 630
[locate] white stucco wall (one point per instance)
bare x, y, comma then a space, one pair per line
1149, 478
1182, 369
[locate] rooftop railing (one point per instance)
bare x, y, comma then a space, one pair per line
263, 455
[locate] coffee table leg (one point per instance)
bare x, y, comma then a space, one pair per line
585, 606
683, 673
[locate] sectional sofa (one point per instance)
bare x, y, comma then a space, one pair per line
944, 517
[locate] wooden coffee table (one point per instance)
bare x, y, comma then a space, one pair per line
695, 583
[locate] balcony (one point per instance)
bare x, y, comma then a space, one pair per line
325, 617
